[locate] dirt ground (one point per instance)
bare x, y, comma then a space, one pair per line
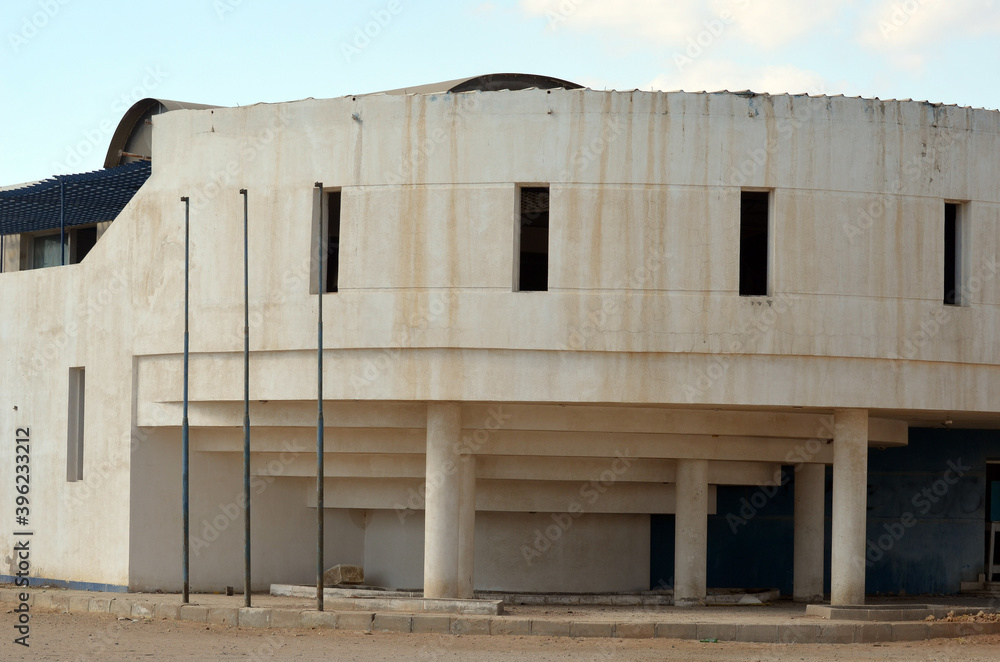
68, 637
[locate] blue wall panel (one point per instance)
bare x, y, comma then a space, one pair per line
926, 521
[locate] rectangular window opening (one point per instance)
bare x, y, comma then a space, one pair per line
533, 240
753, 243
332, 257
952, 259
74, 434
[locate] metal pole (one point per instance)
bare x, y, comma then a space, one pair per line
319, 405
246, 407
3, 253
62, 223
185, 430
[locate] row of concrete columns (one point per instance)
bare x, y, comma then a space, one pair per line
450, 515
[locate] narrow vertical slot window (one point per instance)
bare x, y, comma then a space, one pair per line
74, 433
952, 259
533, 240
753, 243
332, 262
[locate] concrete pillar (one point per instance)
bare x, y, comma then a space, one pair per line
467, 526
810, 511
442, 501
850, 500
691, 533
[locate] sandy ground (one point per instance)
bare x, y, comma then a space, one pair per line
63, 636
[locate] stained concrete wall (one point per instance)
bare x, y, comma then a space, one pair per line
642, 307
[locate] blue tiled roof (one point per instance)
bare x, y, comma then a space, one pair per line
90, 197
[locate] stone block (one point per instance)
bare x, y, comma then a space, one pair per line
550, 628
798, 633
318, 619
194, 613
164, 611
431, 623
100, 605
42, 600
287, 618
837, 633
874, 633
254, 617
757, 633
142, 609
355, 620
402, 623
719, 631
510, 626
344, 574
591, 629
676, 630
635, 630
470, 625
224, 616
121, 608
79, 603
910, 631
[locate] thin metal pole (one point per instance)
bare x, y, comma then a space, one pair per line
185, 430
62, 223
3, 253
246, 407
319, 405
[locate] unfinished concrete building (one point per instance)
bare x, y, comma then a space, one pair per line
575, 341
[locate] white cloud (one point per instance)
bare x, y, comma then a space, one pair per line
774, 23
714, 75
910, 31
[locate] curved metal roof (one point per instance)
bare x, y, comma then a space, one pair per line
488, 83
133, 139
90, 197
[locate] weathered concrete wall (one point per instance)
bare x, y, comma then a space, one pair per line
642, 307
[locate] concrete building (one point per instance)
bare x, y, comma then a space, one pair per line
575, 341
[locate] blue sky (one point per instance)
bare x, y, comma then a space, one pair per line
69, 69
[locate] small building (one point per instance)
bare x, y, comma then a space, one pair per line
574, 341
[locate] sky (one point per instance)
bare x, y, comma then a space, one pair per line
69, 69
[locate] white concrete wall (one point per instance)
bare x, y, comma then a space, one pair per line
642, 308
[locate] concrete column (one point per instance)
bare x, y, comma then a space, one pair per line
850, 500
442, 502
467, 526
810, 511
691, 533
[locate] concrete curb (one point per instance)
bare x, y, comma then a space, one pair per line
369, 621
